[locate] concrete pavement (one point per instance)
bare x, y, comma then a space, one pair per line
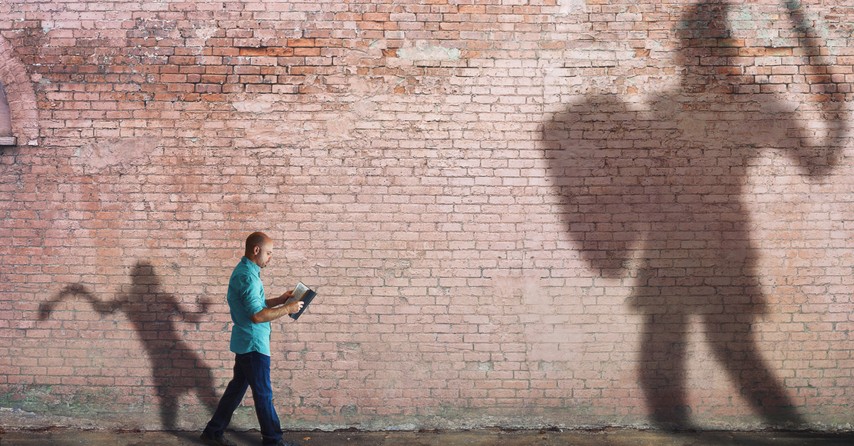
489, 437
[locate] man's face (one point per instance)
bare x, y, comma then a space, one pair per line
264, 253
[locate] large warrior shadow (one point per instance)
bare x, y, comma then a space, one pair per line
654, 194
176, 368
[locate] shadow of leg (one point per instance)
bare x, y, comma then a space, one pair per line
168, 412
662, 370
733, 345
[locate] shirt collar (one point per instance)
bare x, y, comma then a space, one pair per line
251, 265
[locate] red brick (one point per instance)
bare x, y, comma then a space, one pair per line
400, 154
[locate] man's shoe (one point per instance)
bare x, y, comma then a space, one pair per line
210, 440
287, 443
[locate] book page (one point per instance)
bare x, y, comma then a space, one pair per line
299, 290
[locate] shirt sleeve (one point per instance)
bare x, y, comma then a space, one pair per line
252, 297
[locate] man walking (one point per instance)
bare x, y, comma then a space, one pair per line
251, 313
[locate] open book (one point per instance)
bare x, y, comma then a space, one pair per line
304, 294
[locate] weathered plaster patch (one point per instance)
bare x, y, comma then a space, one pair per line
105, 153
256, 104
572, 6
425, 51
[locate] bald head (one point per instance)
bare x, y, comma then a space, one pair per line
259, 248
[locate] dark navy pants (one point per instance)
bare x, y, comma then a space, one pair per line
251, 370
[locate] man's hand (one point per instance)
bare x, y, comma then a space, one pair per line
294, 307
292, 303
281, 300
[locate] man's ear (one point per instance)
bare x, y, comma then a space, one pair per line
256, 250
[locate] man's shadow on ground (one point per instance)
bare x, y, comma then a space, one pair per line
655, 196
176, 368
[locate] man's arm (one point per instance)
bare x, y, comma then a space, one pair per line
281, 300
277, 308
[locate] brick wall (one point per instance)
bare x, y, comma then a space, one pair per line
516, 213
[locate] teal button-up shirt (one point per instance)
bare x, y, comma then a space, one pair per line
246, 298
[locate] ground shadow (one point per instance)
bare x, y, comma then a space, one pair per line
653, 193
176, 368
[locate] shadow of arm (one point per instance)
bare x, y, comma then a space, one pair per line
819, 155
77, 290
195, 316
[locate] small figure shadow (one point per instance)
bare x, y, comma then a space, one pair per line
655, 196
176, 368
